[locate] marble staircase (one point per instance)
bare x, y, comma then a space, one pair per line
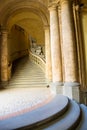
61, 113
27, 74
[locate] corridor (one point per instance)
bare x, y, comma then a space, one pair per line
25, 91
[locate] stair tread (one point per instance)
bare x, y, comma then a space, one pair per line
27, 74
37, 115
83, 122
67, 121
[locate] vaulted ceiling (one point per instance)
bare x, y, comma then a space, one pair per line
31, 15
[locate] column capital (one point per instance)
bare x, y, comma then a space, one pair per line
53, 1
3, 30
76, 2
46, 27
59, 7
77, 7
52, 7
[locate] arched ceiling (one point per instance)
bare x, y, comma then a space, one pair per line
31, 15
26, 13
27, 20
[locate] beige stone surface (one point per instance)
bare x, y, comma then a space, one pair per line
55, 46
4, 56
69, 44
48, 54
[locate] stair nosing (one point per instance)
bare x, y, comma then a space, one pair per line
43, 109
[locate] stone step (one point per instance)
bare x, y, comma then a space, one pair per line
31, 76
68, 121
60, 114
28, 79
27, 82
55, 108
34, 84
27, 74
28, 85
83, 122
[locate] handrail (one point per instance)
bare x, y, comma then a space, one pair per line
37, 59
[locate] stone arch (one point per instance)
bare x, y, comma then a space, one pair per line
12, 8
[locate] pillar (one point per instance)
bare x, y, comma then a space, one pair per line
0, 55
77, 20
60, 32
4, 56
48, 54
71, 85
55, 50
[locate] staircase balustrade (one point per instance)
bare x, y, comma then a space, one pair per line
38, 59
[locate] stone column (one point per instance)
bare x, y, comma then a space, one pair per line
71, 86
77, 20
48, 54
55, 49
0, 56
60, 32
4, 56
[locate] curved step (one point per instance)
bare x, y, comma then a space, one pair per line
56, 107
68, 121
83, 122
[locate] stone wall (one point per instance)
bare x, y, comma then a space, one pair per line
17, 43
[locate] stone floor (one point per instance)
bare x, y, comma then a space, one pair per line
26, 90
14, 101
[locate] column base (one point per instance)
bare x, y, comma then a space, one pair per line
56, 87
3, 84
83, 97
71, 90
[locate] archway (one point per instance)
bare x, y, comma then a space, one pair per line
30, 17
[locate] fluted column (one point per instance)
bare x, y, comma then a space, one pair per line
0, 55
48, 54
60, 32
4, 56
55, 47
69, 50
76, 10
